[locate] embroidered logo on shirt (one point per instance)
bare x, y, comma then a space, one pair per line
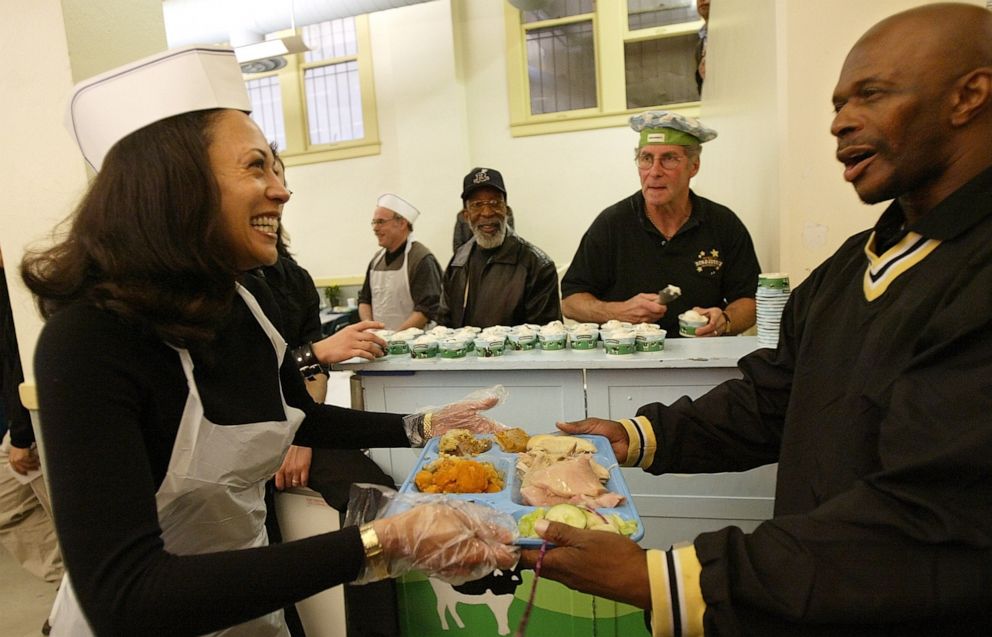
708, 262
883, 269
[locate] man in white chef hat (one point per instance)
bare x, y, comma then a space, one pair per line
402, 285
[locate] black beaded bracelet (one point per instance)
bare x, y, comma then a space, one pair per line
307, 361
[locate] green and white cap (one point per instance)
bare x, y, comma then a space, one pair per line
666, 127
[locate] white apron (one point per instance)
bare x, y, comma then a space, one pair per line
212, 497
392, 302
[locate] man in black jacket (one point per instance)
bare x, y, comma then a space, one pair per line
496, 278
877, 402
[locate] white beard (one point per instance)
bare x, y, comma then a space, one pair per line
488, 242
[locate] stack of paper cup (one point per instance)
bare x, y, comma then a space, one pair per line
773, 292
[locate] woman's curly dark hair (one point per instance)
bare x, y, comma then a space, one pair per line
147, 240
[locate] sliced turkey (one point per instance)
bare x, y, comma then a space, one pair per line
575, 480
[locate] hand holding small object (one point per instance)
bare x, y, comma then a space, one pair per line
453, 540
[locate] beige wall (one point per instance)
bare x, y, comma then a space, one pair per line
440, 79
422, 125
772, 67
42, 171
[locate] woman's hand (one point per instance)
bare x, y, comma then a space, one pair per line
353, 340
464, 414
295, 469
453, 540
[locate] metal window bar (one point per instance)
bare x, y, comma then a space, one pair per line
266, 108
334, 103
561, 68
333, 92
559, 9
330, 39
643, 14
661, 71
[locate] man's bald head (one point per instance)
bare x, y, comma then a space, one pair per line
956, 37
914, 105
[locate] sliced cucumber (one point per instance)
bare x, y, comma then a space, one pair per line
567, 514
593, 517
609, 528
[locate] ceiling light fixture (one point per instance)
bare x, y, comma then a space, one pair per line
267, 55
271, 48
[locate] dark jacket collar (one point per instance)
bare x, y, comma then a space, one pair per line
956, 214
506, 253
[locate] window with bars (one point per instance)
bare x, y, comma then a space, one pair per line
266, 108
586, 64
331, 82
321, 105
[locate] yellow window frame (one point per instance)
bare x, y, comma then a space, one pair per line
610, 34
298, 149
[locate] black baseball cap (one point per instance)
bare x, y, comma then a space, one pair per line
480, 178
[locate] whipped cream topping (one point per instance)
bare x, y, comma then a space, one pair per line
614, 324
692, 316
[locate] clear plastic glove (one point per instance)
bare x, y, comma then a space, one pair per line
464, 414
451, 539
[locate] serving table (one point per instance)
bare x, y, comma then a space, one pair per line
549, 386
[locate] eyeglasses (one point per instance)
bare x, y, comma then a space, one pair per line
669, 161
481, 204
378, 222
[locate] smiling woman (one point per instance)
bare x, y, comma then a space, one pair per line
252, 194
166, 392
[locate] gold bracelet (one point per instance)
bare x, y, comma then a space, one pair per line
428, 429
373, 550
726, 327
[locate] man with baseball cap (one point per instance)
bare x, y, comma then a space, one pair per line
402, 285
665, 234
496, 278
463, 231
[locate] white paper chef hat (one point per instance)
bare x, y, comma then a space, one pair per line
106, 108
398, 205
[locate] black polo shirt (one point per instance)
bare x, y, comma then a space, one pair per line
711, 258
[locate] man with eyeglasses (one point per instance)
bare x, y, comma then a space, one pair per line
496, 278
665, 234
402, 284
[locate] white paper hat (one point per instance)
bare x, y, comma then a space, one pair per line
106, 108
398, 205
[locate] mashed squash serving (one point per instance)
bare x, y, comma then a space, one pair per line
458, 475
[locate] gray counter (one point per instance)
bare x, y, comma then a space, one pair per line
546, 387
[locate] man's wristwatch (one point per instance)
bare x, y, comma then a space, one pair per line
726, 325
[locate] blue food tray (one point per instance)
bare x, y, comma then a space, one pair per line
509, 500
